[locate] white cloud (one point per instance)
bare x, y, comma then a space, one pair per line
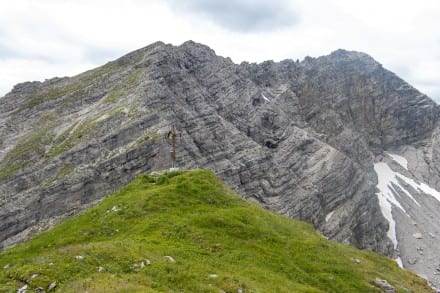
240, 15
20, 70
47, 38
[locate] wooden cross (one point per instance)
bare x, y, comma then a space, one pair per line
172, 136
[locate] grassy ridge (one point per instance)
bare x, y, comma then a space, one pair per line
219, 243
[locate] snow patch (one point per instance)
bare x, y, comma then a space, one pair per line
428, 190
386, 197
420, 187
387, 178
399, 159
264, 97
328, 216
387, 181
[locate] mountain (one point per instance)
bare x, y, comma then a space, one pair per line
187, 232
313, 140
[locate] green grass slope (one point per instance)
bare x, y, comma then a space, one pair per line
219, 243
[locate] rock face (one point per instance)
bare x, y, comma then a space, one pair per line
300, 138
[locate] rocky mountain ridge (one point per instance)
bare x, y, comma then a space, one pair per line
300, 138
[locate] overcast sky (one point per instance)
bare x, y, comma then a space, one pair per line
47, 38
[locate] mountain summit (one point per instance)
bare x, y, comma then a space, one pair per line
311, 140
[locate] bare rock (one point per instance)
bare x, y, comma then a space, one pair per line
385, 286
170, 259
51, 286
22, 289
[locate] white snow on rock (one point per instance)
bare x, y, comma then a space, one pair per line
264, 97
427, 189
399, 159
386, 198
387, 183
328, 216
387, 178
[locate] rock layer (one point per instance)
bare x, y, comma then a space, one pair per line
300, 138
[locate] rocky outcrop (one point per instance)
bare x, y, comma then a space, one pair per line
300, 138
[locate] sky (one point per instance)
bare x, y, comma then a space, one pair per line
48, 38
